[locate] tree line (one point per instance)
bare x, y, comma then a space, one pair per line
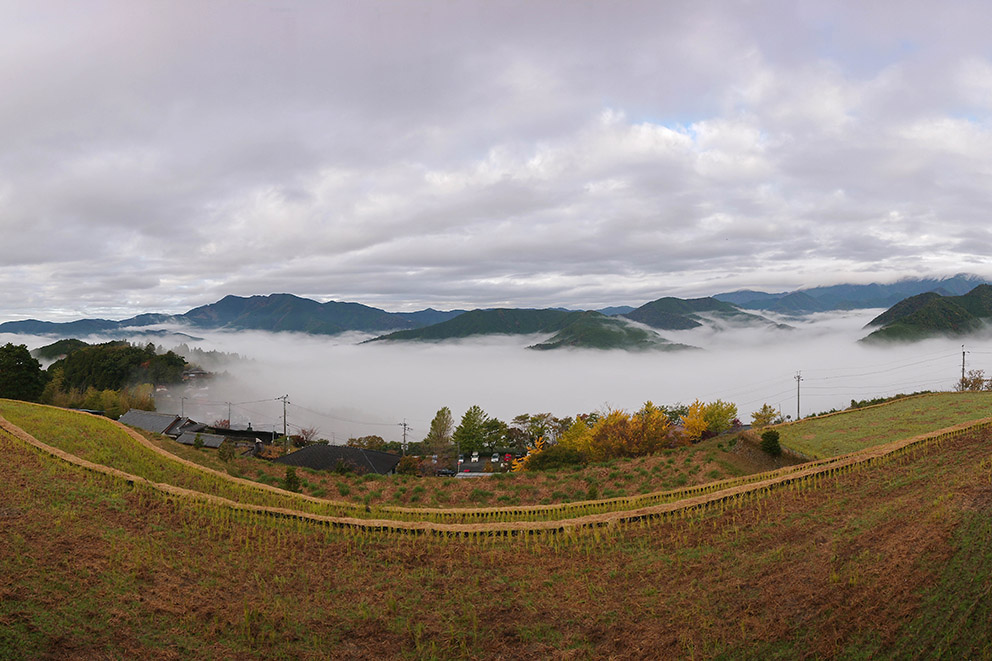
111, 377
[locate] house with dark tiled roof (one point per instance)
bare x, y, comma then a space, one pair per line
209, 440
327, 457
168, 424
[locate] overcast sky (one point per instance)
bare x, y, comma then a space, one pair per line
159, 155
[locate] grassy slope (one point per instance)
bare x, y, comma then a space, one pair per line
887, 562
833, 435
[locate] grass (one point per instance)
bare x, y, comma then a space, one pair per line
834, 435
890, 561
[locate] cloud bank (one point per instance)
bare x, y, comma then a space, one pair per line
158, 156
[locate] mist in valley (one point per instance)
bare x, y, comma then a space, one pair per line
344, 388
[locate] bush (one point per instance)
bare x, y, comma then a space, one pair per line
555, 456
769, 443
226, 451
409, 465
291, 482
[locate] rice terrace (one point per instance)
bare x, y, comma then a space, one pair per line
116, 544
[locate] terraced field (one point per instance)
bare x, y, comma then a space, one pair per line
882, 554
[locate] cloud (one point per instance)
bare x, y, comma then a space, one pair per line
160, 156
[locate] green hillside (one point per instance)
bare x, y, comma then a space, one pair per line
682, 314
574, 329
931, 315
591, 330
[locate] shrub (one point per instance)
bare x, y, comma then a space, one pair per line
555, 456
409, 465
769, 443
226, 451
291, 482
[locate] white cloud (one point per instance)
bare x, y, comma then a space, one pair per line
460, 156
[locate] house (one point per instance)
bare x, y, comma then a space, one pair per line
168, 424
327, 457
209, 440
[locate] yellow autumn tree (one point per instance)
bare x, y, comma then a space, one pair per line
652, 428
694, 421
578, 437
521, 464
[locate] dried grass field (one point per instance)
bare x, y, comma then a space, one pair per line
888, 559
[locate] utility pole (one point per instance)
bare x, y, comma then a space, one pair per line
284, 426
799, 378
406, 428
182, 406
963, 352
229, 415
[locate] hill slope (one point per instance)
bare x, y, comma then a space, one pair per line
932, 315
681, 314
891, 561
587, 329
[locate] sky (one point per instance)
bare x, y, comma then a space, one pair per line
160, 155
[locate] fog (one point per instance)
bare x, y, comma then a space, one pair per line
346, 389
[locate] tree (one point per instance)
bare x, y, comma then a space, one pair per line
494, 434
469, 435
765, 416
973, 382
368, 443
309, 435
291, 482
409, 465
719, 416
20, 374
439, 437
694, 421
769, 442
651, 429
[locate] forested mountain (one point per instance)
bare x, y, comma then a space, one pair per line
576, 329
931, 315
277, 312
681, 314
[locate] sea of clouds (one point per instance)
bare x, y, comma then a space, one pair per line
344, 388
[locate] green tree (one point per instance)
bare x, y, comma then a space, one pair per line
291, 482
368, 443
769, 442
20, 374
469, 435
439, 437
719, 416
765, 416
494, 434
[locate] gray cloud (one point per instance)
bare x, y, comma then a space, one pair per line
159, 156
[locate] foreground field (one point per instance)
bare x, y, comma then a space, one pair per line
889, 561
